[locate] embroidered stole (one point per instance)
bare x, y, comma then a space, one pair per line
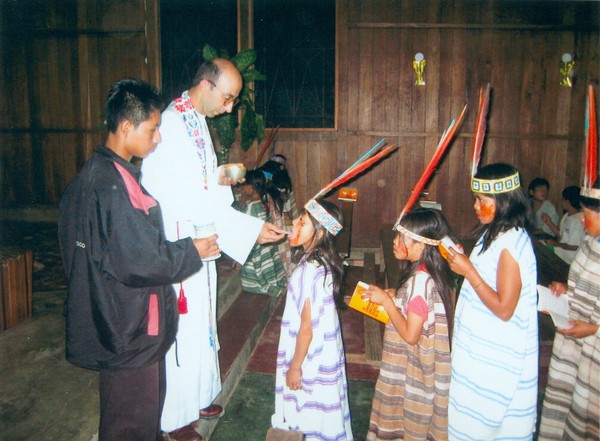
197, 131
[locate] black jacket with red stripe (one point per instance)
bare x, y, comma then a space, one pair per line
121, 309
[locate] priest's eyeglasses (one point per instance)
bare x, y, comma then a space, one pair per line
227, 98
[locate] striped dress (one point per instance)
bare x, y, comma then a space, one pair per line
493, 390
320, 409
571, 409
411, 394
263, 272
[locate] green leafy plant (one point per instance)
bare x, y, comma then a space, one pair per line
253, 125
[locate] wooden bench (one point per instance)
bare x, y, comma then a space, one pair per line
373, 328
16, 268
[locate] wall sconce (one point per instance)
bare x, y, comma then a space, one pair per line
566, 66
419, 67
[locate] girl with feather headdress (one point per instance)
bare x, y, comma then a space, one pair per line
411, 393
493, 387
571, 408
311, 389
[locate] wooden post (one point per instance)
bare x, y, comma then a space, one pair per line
15, 286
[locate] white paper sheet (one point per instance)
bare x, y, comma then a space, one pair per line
557, 307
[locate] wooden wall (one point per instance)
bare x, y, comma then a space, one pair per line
58, 59
534, 123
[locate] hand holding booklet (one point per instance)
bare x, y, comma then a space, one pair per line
557, 307
367, 307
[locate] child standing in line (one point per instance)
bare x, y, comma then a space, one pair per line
263, 272
282, 204
570, 409
538, 191
311, 392
493, 389
570, 234
411, 394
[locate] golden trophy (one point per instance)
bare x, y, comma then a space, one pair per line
566, 66
419, 67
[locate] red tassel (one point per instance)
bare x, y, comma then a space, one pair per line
182, 301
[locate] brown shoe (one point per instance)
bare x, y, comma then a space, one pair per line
212, 411
185, 433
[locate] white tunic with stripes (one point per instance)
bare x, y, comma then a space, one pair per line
320, 410
493, 388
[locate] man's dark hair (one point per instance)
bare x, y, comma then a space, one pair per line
571, 194
131, 99
538, 182
207, 71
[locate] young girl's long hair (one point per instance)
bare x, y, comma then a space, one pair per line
431, 224
323, 250
280, 185
256, 180
513, 209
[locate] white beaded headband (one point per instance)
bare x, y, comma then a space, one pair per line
495, 186
322, 216
414, 236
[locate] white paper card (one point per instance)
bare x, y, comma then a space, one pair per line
557, 307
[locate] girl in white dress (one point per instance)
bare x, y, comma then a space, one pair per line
311, 392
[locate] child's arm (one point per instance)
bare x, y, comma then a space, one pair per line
293, 378
553, 227
408, 328
502, 302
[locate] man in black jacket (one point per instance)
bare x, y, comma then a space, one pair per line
121, 308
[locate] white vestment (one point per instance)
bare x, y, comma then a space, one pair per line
173, 174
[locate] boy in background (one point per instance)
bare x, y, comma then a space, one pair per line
570, 233
538, 192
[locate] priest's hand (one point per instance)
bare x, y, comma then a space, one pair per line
270, 233
226, 180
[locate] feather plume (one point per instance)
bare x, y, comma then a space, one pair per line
591, 163
354, 170
266, 145
366, 155
480, 127
435, 159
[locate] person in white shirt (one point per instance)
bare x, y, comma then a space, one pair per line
570, 233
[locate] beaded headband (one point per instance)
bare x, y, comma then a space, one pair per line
593, 193
279, 160
496, 186
322, 216
414, 236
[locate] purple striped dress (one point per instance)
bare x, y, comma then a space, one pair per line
320, 410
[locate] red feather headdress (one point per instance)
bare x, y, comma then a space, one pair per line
363, 163
480, 127
435, 159
591, 156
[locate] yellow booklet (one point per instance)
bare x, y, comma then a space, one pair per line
367, 307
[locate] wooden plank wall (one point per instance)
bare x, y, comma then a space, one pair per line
58, 59
516, 46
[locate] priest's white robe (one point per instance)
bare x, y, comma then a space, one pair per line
173, 175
